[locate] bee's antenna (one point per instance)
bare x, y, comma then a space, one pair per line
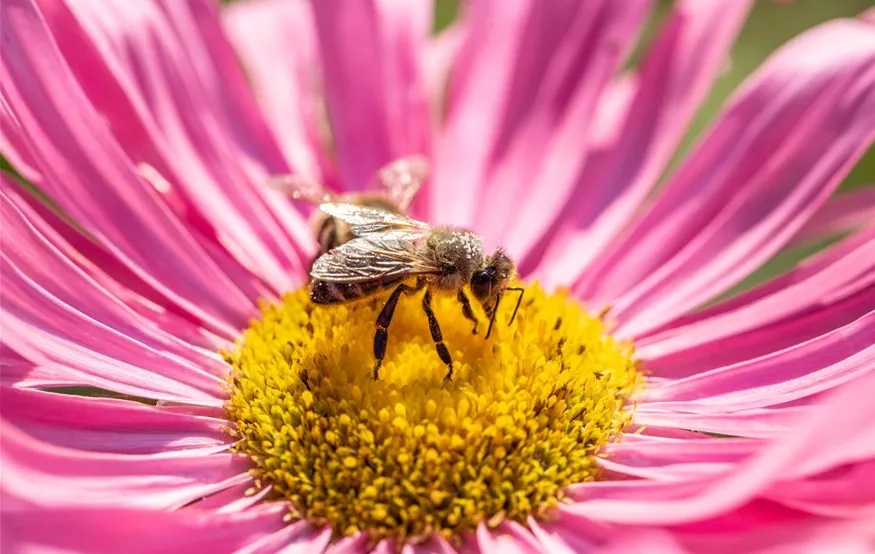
492, 318
522, 291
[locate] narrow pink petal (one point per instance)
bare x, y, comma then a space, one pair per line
527, 82
569, 55
372, 58
677, 460
651, 541
510, 537
109, 425
231, 499
349, 545
297, 538
844, 492
29, 253
83, 351
113, 530
845, 213
784, 143
815, 446
75, 324
435, 545
276, 43
110, 272
543, 257
758, 422
476, 100
91, 178
680, 67
443, 53
555, 537
53, 477
13, 147
816, 297
203, 142
803, 370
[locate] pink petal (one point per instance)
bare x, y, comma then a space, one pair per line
542, 145
113, 530
845, 492
82, 351
845, 213
758, 422
232, 499
276, 42
372, 57
521, 98
82, 335
816, 445
680, 67
13, 146
202, 142
54, 477
297, 538
752, 182
29, 253
435, 545
509, 537
559, 539
109, 425
808, 368
349, 545
677, 460
443, 53
91, 178
818, 296
110, 272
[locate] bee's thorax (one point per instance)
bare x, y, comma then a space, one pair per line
458, 253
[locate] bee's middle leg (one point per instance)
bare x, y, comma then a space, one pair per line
381, 337
437, 336
466, 309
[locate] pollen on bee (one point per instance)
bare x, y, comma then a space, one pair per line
411, 454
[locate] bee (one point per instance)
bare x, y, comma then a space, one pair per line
394, 251
393, 188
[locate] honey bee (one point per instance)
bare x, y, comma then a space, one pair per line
395, 251
393, 188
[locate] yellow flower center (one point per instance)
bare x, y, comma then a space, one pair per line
411, 454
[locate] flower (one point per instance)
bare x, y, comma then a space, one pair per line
161, 244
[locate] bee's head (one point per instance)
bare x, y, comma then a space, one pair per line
489, 283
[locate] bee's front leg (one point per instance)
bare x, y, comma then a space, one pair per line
466, 309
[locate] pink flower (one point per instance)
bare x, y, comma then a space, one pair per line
138, 123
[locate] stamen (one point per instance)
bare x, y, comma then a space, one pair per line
524, 416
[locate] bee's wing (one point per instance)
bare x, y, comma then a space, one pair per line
389, 254
402, 179
300, 188
364, 220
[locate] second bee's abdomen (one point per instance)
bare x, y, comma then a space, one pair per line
329, 292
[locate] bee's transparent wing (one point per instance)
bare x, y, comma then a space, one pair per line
299, 188
389, 254
364, 220
402, 179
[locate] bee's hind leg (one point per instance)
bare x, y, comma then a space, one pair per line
381, 337
466, 309
437, 336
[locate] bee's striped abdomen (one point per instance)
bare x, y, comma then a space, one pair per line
330, 292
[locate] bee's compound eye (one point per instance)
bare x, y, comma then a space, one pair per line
481, 282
